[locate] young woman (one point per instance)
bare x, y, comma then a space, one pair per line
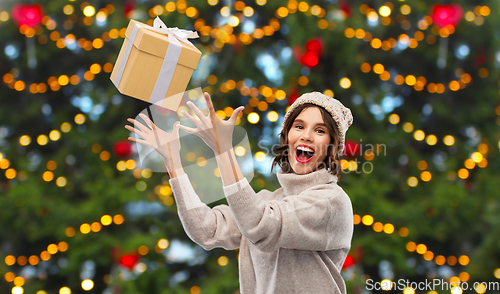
292, 240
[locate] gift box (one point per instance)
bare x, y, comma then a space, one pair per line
155, 63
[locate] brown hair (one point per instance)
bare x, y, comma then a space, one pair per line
281, 152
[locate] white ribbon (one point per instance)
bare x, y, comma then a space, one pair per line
169, 62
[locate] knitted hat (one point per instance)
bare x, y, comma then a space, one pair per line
341, 114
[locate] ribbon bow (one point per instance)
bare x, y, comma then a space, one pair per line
182, 35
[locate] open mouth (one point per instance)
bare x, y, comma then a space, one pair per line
303, 154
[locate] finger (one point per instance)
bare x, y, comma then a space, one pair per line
196, 110
176, 129
192, 119
235, 114
209, 103
136, 131
140, 125
187, 129
140, 141
148, 121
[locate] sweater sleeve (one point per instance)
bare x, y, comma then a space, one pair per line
318, 219
207, 227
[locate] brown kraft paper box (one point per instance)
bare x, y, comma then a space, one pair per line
144, 63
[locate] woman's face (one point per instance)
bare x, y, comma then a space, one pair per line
308, 141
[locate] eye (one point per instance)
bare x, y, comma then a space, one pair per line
321, 131
298, 126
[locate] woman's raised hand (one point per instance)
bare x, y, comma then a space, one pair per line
166, 144
215, 132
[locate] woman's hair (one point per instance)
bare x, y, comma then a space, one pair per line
281, 157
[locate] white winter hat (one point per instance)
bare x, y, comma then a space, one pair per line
341, 114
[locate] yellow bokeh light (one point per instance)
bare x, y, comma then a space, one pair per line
449, 140
120, 165
408, 127
469, 163
89, 11
65, 127
163, 243
130, 164
372, 16
106, 220
345, 83
431, 140
419, 135
85, 228
378, 227
282, 12
248, 11
4, 163
42, 140
45, 256
410, 80
388, 228
65, 290
52, 249
412, 181
239, 151
223, 260
328, 93
480, 288
233, 21
426, 176
357, 219
95, 227
253, 117
79, 119
464, 260
272, 116
260, 156
63, 80
497, 273
25, 140
386, 284
87, 285
10, 260
367, 220
54, 135
10, 173
17, 290
48, 176
477, 157
463, 173
62, 246
394, 119
378, 68
384, 11
405, 9
421, 248
118, 219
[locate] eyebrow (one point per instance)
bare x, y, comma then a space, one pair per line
318, 124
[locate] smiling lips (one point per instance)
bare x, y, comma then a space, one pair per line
306, 153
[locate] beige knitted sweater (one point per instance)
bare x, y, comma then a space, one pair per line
292, 240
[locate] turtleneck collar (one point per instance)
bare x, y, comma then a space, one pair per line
294, 184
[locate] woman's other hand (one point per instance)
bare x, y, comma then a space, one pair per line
166, 144
215, 132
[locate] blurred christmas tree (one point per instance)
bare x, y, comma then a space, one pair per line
421, 165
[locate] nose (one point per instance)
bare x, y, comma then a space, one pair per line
306, 136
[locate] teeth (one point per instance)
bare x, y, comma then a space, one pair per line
303, 148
